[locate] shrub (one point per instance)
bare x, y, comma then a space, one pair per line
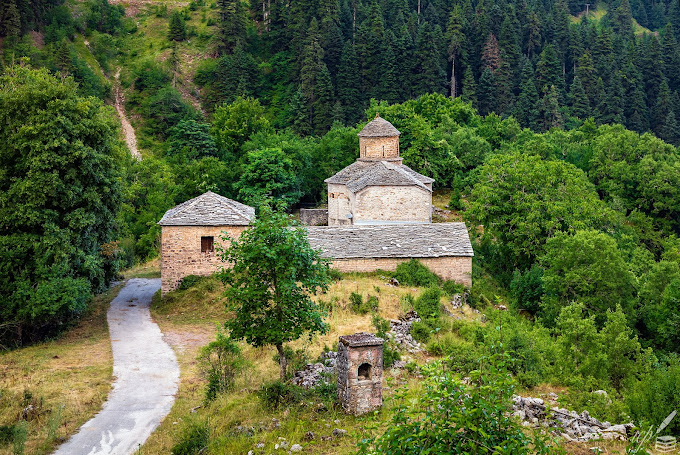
407, 302
277, 394
427, 305
189, 282
335, 274
359, 306
220, 361
390, 352
414, 273
295, 360
461, 356
466, 418
421, 331
452, 288
656, 395
194, 439
527, 289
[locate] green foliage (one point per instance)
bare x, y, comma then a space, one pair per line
190, 281
472, 418
193, 439
266, 174
59, 192
279, 394
586, 267
272, 275
428, 304
527, 289
656, 395
190, 140
177, 29
359, 306
452, 288
233, 124
220, 361
296, 359
414, 273
390, 352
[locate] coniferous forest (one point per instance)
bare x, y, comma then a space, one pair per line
552, 127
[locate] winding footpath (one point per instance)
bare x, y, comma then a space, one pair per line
128, 130
146, 378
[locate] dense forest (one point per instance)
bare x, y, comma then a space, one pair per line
555, 130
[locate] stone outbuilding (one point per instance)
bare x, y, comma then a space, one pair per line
444, 248
190, 232
360, 371
378, 188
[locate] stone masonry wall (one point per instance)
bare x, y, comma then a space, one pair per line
359, 396
181, 252
458, 269
379, 147
314, 217
338, 204
393, 203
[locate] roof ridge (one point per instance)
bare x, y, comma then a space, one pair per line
403, 172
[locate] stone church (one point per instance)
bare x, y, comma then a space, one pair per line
379, 215
378, 188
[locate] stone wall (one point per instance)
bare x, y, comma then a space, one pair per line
314, 217
339, 204
379, 147
458, 269
181, 252
393, 203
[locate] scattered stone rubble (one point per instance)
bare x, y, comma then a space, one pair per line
571, 425
316, 373
400, 333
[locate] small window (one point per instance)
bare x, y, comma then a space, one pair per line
207, 244
364, 372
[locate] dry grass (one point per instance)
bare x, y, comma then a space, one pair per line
66, 380
150, 269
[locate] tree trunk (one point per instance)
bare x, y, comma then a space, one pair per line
453, 78
282, 361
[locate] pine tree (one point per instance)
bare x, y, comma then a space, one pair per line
491, 56
505, 86
548, 70
456, 40
580, 105
231, 26
550, 110
610, 108
311, 64
338, 114
662, 107
389, 89
469, 87
585, 71
429, 62
323, 106
63, 58
638, 119
177, 29
349, 83
486, 93
670, 131
526, 108
533, 36
332, 43
10, 20
299, 113
671, 57
623, 20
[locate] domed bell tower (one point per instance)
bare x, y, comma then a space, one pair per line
379, 141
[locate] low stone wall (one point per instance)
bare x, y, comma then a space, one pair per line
458, 269
181, 252
314, 217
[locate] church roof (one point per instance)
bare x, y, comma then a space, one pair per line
362, 174
391, 241
209, 209
379, 127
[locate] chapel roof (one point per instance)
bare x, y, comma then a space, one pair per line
379, 127
391, 241
362, 174
209, 209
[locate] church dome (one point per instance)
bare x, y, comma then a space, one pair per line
379, 127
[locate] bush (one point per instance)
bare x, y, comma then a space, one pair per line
461, 356
407, 302
452, 288
428, 305
655, 396
194, 439
335, 274
277, 394
220, 361
527, 289
189, 282
390, 352
414, 273
465, 419
295, 360
358, 306
421, 331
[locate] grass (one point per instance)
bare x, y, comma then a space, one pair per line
149, 269
599, 10
66, 380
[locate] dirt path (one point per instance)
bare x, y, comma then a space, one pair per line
128, 130
146, 378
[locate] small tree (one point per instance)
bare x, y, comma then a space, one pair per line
273, 273
177, 29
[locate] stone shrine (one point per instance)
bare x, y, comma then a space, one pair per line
360, 370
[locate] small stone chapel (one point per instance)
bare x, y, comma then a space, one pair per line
379, 215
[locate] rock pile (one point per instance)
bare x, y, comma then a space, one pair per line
400, 332
571, 425
316, 373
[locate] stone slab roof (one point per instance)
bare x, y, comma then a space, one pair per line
209, 209
362, 174
379, 127
361, 339
391, 241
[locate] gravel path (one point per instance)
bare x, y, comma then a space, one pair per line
128, 130
146, 378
